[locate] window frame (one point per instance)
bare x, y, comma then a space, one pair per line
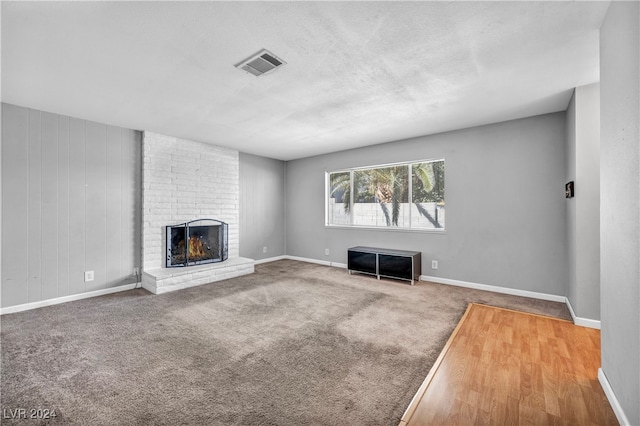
351, 171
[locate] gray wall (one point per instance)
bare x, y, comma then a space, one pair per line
262, 182
506, 212
620, 203
70, 203
583, 211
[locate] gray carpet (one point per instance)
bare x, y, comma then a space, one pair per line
295, 343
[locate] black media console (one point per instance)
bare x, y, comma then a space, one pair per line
400, 264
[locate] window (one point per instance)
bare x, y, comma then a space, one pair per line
401, 195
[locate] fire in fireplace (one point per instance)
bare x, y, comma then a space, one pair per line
196, 242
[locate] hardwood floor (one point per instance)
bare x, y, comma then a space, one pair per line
507, 367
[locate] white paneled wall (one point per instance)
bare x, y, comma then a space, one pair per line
261, 207
70, 204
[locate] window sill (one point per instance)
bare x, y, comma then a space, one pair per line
387, 229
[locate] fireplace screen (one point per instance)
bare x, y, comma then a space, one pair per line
196, 242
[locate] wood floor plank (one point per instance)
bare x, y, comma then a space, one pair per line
507, 367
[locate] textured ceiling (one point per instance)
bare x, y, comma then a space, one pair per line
357, 73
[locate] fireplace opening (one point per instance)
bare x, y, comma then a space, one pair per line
197, 242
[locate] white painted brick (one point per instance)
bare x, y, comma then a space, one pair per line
159, 164
161, 187
186, 187
185, 180
200, 281
157, 178
159, 210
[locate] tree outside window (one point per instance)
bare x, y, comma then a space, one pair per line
403, 195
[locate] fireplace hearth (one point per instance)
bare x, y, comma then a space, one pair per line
197, 242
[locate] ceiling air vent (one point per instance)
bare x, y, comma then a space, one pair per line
261, 63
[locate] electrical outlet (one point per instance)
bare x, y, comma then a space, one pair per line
264, 249
434, 264
88, 276
326, 252
136, 271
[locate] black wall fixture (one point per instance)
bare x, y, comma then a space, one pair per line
568, 190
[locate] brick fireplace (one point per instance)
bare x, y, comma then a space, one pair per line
184, 181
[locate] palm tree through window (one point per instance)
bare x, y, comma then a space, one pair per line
402, 195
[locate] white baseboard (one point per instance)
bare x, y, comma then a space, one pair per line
269, 259
316, 261
64, 299
319, 262
495, 289
584, 322
309, 260
611, 396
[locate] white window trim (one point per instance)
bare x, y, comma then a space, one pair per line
351, 171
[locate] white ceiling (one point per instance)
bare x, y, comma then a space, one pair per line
357, 73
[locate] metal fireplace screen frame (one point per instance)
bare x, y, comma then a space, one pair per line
196, 242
